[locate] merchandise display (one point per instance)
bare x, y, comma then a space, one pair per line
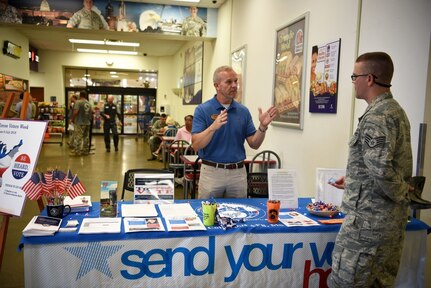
55, 115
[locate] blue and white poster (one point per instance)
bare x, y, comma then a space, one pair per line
20, 143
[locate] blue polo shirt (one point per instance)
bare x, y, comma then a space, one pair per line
227, 144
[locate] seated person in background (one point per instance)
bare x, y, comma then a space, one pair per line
154, 141
185, 132
171, 124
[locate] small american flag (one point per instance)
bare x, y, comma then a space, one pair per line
49, 178
33, 187
76, 188
68, 180
59, 177
45, 190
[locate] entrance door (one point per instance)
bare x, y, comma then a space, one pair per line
98, 101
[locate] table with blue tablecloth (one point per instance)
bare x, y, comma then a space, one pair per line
254, 253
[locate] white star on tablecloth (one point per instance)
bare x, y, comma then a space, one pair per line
94, 256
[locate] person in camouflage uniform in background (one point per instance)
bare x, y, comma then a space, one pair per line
81, 119
368, 247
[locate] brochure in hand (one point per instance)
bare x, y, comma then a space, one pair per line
42, 226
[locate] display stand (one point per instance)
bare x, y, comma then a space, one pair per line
5, 217
55, 116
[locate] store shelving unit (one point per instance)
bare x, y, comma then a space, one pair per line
55, 115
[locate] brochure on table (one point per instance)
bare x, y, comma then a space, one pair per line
42, 226
293, 218
20, 143
100, 225
325, 192
154, 188
283, 186
181, 217
143, 224
108, 198
138, 210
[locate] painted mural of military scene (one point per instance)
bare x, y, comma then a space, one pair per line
109, 15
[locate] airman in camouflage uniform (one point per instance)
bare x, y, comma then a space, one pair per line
81, 118
368, 247
86, 18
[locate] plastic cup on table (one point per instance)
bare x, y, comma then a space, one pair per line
208, 211
273, 209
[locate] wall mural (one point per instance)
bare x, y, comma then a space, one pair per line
109, 15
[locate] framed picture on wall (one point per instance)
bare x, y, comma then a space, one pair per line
289, 73
238, 63
192, 77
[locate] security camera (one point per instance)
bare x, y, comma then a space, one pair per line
214, 1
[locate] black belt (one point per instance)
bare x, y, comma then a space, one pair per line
223, 165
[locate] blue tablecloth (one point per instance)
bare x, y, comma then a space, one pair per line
254, 223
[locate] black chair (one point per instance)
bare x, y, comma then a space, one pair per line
129, 177
174, 152
257, 182
191, 174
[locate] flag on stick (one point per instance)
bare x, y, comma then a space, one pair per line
76, 188
33, 187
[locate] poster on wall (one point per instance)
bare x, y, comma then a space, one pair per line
289, 73
324, 77
192, 77
238, 63
125, 16
20, 143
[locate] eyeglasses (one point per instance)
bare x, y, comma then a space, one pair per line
354, 76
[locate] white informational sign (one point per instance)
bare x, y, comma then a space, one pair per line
20, 143
283, 186
325, 192
154, 188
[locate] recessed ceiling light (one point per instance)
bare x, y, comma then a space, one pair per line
105, 42
103, 51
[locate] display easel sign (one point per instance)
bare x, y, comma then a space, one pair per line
20, 143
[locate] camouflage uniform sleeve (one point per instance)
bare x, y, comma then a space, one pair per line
379, 140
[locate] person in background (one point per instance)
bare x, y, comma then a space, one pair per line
109, 114
185, 132
33, 108
71, 127
193, 25
81, 119
18, 107
369, 244
220, 127
8, 13
87, 18
154, 141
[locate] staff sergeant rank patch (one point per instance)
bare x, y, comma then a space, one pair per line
376, 142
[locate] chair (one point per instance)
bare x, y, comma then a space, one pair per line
174, 152
170, 132
191, 174
416, 200
257, 182
129, 178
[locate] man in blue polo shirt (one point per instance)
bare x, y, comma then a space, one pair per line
220, 127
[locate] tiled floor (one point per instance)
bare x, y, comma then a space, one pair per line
133, 153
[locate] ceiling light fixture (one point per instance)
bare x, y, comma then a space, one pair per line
105, 42
193, 1
103, 51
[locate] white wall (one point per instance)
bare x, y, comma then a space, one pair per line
323, 142
403, 31
10, 66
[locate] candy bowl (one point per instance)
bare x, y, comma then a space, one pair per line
322, 209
